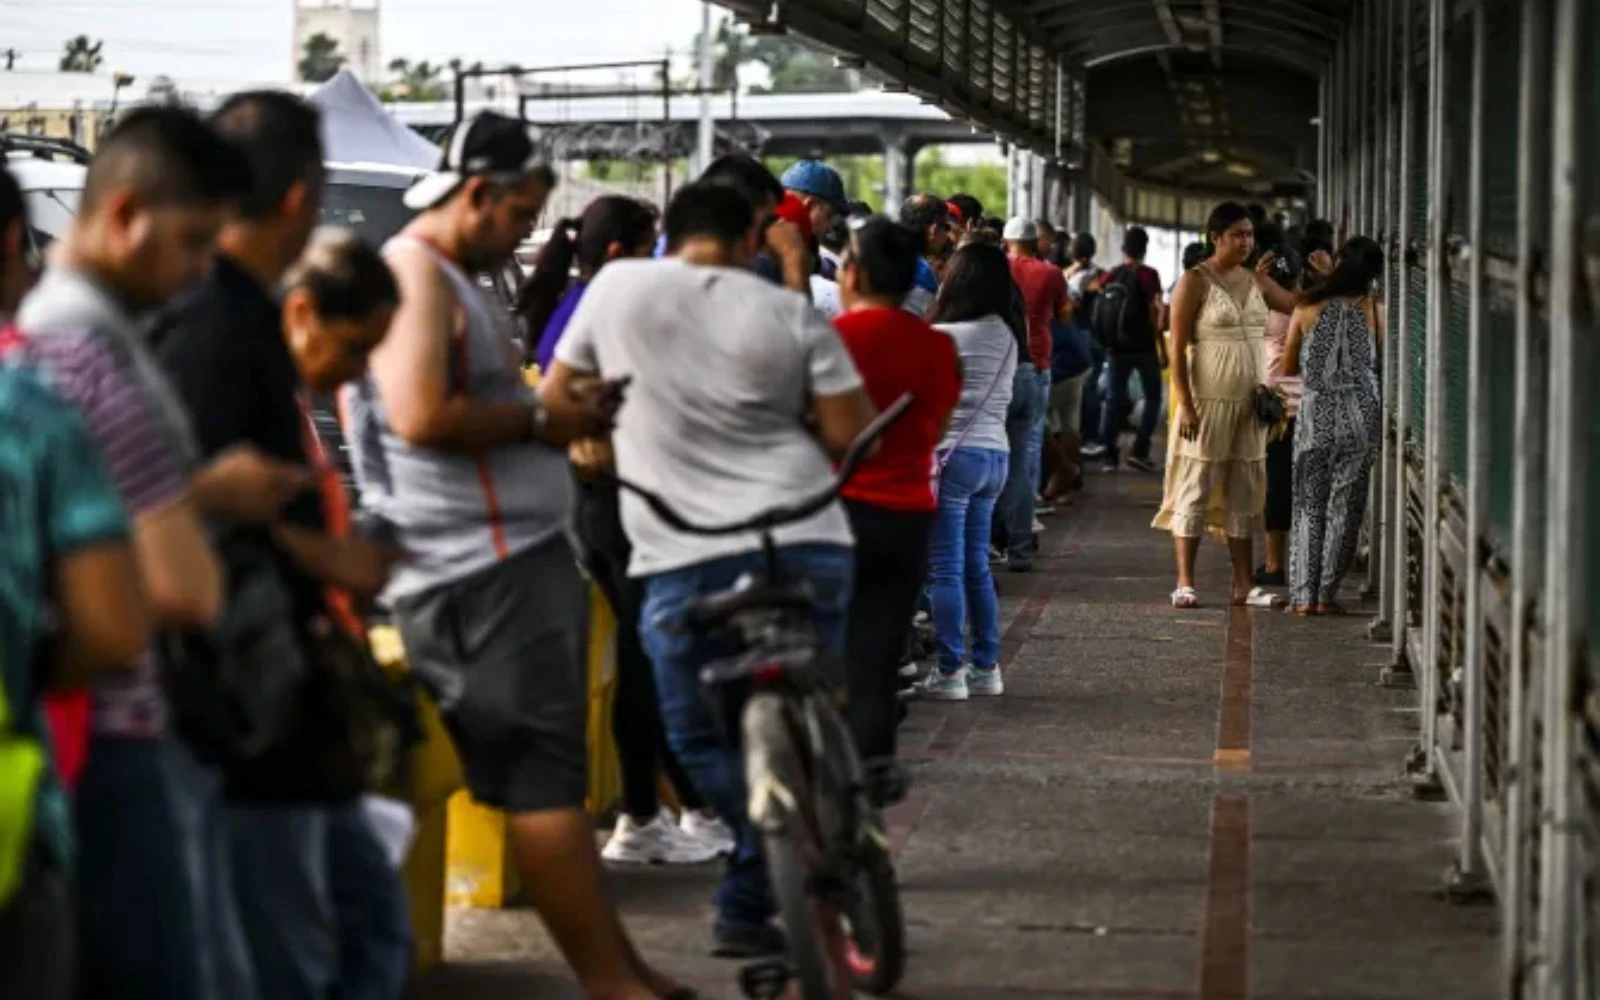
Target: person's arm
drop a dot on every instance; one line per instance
(788, 244)
(1063, 300)
(1301, 320)
(1279, 299)
(1377, 319)
(411, 370)
(358, 565)
(1187, 301)
(839, 399)
(104, 623)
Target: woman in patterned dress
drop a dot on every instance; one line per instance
(1216, 462)
(1334, 339)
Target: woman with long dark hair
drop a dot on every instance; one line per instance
(614, 227)
(1333, 343)
(977, 307)
(1216, 462)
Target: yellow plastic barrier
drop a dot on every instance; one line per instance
(462, 854)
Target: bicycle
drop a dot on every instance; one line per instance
(826, 846)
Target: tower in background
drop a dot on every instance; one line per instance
(351, 24)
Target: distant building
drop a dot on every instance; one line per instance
(353, 24)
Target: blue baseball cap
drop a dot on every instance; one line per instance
(817, 179)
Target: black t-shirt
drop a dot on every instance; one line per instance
(222, 346)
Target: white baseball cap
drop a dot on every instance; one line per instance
(1020, 230)
(488, 145)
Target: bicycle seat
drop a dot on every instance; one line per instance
(710, 611)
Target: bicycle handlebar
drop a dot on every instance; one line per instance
(780, 516)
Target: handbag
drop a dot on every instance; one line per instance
(1271, 408)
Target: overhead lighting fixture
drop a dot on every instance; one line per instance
(1241, 170)
(1211, 156)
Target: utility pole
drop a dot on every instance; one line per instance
(705, 148)
(11, 60)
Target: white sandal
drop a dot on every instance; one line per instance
(1261, 597)
(1185, 597)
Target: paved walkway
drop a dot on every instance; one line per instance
(1200, 804)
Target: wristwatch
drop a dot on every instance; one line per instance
(538, 419)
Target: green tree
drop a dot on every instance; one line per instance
(419, 81)
(79, 55)
(792, 67)
(984, 181)
(320, 59)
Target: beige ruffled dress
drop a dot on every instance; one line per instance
(1218, 481)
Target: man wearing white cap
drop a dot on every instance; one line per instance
(1044, 297)
(453, 450)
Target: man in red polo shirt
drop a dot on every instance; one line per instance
(1044, 297)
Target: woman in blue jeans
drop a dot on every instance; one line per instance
(975, 308)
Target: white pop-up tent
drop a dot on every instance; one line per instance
(357, 128)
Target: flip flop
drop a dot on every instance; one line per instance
(1260, 597)
(1185, 598)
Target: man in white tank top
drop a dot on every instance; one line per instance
(453, 450)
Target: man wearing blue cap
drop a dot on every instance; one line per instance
(821, 189)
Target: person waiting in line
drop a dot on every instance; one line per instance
(967, 214)
(452, 450)
(1278, 517)
(975, 308)
(1335, 338)
(1216, 462)
(1083, 275)
(785, 255)
(1070, 362)
(76, 612)
(1044, 300)
(612, 228)
(890, 500)
(1126, 321)
(821, 190)
(724, 370)
(929, 218)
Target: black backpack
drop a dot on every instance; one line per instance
(1121, 317)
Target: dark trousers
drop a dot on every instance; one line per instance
(891, 566)
(641, 736)
(1120, 403)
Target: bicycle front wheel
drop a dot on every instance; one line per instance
(780, 805)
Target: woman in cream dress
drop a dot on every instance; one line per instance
(1216, 460)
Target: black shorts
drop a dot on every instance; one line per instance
(1280, 481)
(504, 653)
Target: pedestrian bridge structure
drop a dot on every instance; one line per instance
(1240, 804)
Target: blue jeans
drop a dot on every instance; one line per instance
(1028, 408)
(323, 911)
(136, 921)
(704, 734)
(1036, 432)
(1120, 403)
(961, 583)
(220, 948)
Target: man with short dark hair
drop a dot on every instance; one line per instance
(723, 369)
(152, 205)
(821, 190)
(967, 212)
(929, 217)
(1127, 319)
(785, 255)
(222, 345)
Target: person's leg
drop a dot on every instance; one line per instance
(38, 943)
(982, 603)
(946, 560)
(370, 904)
(1089, 415)
(1347, 508)
(1186, 549)
(1036, 437)
(1280, 507)
(1017, 499)
(1312, 481)
(222, 953)
(1115, 411)
(136, 923)
(505, 651)
(1149, 368)
(280, 873)
(1241, 553)
(891, 559)
(707, 746)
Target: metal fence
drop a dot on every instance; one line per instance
(1465, 136)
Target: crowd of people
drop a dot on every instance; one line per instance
(195, 746)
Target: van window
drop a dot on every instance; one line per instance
(376, 213)
(50, 210)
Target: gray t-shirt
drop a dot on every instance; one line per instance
(988, 353)
(723, 366)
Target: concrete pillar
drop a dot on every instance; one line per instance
(896, 168)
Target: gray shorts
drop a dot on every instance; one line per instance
(1066, 404)
(503, 652)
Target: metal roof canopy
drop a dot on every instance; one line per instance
(1197, 98)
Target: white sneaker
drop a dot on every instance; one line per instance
(657, 842)
(909, 669)
(707, 831)
(1038, 526)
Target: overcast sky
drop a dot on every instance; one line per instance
(250, 39)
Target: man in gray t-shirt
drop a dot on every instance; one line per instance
(724, 368)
